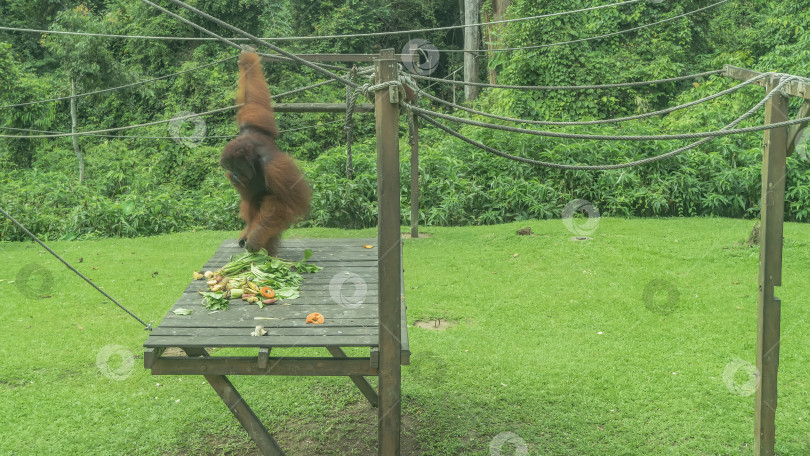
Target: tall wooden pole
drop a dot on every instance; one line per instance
(770, 271)
(390, 255)
(472, 37)
(414, 139)
(73, 123)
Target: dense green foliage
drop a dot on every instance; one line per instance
(141, 182)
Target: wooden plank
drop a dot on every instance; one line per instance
(387, 127)
(770, 273)
(242, 311)
(250, 323)
(264, 341)
(800, 88)
(320, 107)
(310, 330)
(796, 132)
(248, 365)
(338, 58)
(249, 421)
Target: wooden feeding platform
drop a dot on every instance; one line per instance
(345, 292)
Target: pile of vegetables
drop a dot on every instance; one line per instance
(255, 278)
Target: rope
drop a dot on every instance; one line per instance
(563, 43)
(574, 87)
(616, 166)
(321, 37)
(129, 127)
(602, 121)
(306, 127)
(351, 100)
(553, 134)
(119, 87)
(147, 326)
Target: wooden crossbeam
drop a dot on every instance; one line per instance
(340, 57)
(799, 88)
(249, 365)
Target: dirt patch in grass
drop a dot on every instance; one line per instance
(349, 431)
(438, 324)
(421, 235)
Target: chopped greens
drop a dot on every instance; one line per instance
(246, 274)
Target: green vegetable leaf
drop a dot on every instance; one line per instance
(182, 311)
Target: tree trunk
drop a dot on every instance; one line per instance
(73, 122)
(472, 36)
(493, 31)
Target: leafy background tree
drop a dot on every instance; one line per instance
(141, 182)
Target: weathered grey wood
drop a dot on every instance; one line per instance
(414, 140)
(254, 427)
(795, 130)
(387, 126)
(264, 353)
(150, 355)
(360, 381)
(337, 57)
(310, 330)
(249, 365)
(320, 107)
(770, 273)
(177, 322)
(264, 341)
(799, 88)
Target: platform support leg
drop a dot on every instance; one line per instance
(770, 272)
(233, 400)
(389, 259)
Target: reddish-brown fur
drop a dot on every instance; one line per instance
(274, 192)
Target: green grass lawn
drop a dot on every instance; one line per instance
(554, 341)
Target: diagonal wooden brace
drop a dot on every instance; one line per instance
(361, 382)
(233, 400)
(795, 130)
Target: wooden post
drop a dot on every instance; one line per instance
(387, 112)
(472, 36)
(770, 271)
(414, 139)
